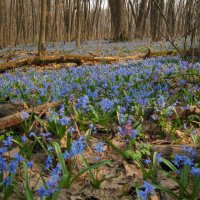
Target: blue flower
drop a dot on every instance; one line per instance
(23, 138)
(147, 189)
(49, 148)
(43, 192)
(161, 101)
(8, 141)
(29, 164)
(66, 155)
(147, 162)
(190, 151)
(18, 158)
(3, 150)
(71, 129)
(7, 181)
(32, 134)
(93, 128)
(106, 104)
(64, 121)
(194, 132)
(159, 158)
(179, 161)
(48, 162)
(24, 115)
(45, 135)
(142, 195)
(195, 171)
(99, 147)
(77, 147)
(83, 102)
(12, 167)
(121, 131)
(56, 172)
(2, 164)
(134, 133)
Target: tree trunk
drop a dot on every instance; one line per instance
(41, 43)
(78, 25)
(118, 18)
(1, 23)
(48, 20)
(141, 19)
(171, 19)
(156, 18)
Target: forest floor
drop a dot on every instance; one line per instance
(110, 127)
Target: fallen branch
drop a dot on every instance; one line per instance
(14, 119)
(168, 150)
(79, 60)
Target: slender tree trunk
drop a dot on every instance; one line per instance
(171, 19)
(141, 19)
(78, 24)
(1, 23)
(41, 43)
(48, 20)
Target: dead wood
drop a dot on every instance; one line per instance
(168, 150)
(68, 58)
(14, 119)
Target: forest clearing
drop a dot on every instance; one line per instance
(99, 99)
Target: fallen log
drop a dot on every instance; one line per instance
(67, 58)
(14, 119)
(169, 150)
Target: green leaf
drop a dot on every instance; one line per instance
(60, 158)
(87, 135)
(169, 164)
(185, 173)
(29, 195)
(41, 121)
(60, 186)
(94, 112)
(41, 144)
(97, 165)
(115, 148)
(166, 190)
(18, 143)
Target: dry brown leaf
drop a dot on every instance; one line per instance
(180, 134)
(154, 197)
(63, 141)
(130, 169)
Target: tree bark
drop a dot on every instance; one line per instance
(1, 23)
(48, 21)
(171, 19)
(14, 119)
(141, 19)
(41, 43)
(67, 58)
(118, 18)
(78, 24)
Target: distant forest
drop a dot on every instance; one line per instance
(25, 21)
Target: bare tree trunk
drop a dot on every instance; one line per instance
(171, 19)
(1, 23)
(78, 24)
(41, 43)
(141, 19)
(118, 17)
(48, 20)
(156, 18)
